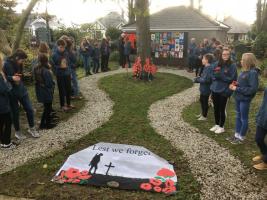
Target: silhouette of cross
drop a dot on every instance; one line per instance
(109, 166)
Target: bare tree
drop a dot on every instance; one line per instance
(143, 29)
(22, 23)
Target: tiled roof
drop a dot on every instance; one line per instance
(180, 18)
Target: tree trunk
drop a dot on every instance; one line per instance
(264, 17)
(131, 14)
(259, 16)
(4, 45)
(23, 20)
(143, 29)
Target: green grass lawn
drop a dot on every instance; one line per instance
(128, 125)
(245, 152)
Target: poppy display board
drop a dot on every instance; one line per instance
(119, 166)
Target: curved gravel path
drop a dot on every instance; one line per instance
(221, 175)
(97, 111)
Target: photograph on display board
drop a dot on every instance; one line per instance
(167, 44)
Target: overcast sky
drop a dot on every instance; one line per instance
(77, 12)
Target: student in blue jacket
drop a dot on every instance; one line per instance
(261, 134)
(5, 114)
(192, 54)
(13, 66)
(205, 81)
(96, 57)
(44, 89)
(245, 90)
(61, 62)
(127, 52)
(224, 73)
(73, 65)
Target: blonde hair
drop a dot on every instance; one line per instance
(249, 61)
(1, 62)
(1, 66)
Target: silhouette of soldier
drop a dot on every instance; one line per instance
(94, 162)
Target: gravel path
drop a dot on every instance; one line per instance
(221, 175)
(97, 111)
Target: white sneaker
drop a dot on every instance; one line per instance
(198, 116)
(237, 135)
(8, 146)
(33, 132)
(214, 128)
(201, 118)
(220, 130)
(19, 135)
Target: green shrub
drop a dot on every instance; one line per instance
(114, 56)
(260, 45)
(261, 84)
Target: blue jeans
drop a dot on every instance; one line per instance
(27, 106)
(75, 84)
(260, 136)
(242, 111)
(86, 64)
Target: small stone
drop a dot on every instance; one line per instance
(113, 184)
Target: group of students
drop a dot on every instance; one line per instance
(60, 62)
(219, 80)
(91, 52)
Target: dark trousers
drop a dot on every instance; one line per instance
(126, 60)
(64, 89)
(46, 116)
(204, 101)
(261, 133)
(27, 106)
(96, 65)
(121, 61)
(5, 128)
(104, 63)
(219, 103)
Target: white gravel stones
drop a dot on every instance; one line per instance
(221, 175)
(97, 111)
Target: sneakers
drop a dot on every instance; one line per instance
(19, 135)
(201, 118)
(65, 108)
(257, 159)
(33, 132)
(231, 138)
(219, 130)
(236, 141)
(214, 128)
(261, 166)
(198, 116)
(8, 146)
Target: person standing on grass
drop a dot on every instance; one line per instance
(96, 57)
(121, 49)
(104, 50)
(108, 41)
(244, 91)
(63, 74)
(205, 81)
(5, 114)
(85, 53)
(13, 66)
(261, 133)
(73, 65)
(224, 73)
(44, 89)
(192, 54)
(127, 52)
